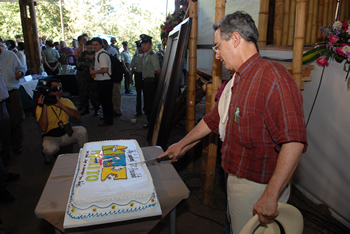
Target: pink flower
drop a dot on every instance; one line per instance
(344, 25)
(333, 39)
(340, 51)
(322, 62)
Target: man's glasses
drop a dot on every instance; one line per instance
(215, 48)
(56, 88)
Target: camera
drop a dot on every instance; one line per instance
(44, 90)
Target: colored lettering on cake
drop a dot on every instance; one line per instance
(113, 207)
(119, 173)
(131, 204)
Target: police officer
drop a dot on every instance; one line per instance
(126, 59)
(136, 71)
(150, 74)
(160, 55)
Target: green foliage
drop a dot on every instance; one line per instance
(119, 18)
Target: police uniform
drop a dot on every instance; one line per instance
(149, 67)
(115, 45)
(136, 66)
(160, 55)
(126, 58)
(88, 89)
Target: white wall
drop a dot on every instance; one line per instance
(323, 173)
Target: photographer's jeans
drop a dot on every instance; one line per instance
(51, 145)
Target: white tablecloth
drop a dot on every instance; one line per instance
(29, 86)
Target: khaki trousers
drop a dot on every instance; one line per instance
(242, 194)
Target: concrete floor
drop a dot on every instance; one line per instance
(192, 215)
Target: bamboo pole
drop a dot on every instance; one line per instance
(319, 20)
(342, 10)
(191, 92)
(278, 23)
(331, 13)
(314, 22)
(291, 23)
(208, 196)
(310, 17)
(347, 10)
(299, 41)
(263, 21)
(205, 146)
(285, 23)
(325, 16)
(30, 34)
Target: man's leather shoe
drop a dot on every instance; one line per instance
(116, 114)
(6, 196)
(12, 177)
(104, 124)
(128, 92)
(97, 112)
(145, 126)
(85, 112)
(138, 114)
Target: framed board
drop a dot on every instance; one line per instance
(168, 85)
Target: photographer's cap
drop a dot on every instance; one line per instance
(145, 38)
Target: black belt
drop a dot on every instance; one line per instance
(149, 79)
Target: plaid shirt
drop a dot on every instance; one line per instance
(270, 114)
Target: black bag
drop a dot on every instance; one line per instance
(117, 68)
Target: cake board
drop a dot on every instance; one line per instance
(74, 223)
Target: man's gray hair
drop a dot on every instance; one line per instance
(240, 22)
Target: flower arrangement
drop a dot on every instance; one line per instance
(172, 20)
(337, 46)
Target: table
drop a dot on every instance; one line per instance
(26, 91)
(169, 186)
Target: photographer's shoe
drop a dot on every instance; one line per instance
(86, 111)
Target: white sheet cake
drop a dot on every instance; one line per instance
(106, 184)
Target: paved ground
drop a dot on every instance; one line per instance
(192, 215)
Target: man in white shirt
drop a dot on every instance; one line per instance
(13, 70)
(101, 75)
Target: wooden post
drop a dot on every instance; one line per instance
(278, 23)
(331, 13)
(347, 10)
(342, 11)
(285, 23)
(291, 23)
(205, 144)
(310, 17)
(263, 21)
(319, 20)
(208, 195)
(191, 91)
(62, 23)
(30, 34)
(299, 41)
(314, 22)
(325, 16)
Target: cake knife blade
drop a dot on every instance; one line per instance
(166, 158)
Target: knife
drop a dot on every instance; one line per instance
(166, 158)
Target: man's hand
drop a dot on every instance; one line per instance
(175, 151)
(41, 100)
(266, 209)
(18, 75)
(59, 103)
(92, 72)
(131, 81)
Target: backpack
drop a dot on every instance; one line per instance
(117, 67)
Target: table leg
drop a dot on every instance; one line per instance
(173, 221)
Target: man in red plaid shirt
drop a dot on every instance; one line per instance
(260, 119)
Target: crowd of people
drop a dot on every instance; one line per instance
(94, 79)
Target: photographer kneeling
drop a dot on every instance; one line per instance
(52, 114)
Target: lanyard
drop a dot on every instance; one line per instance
(56, 114)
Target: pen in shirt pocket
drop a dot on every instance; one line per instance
(236, 114)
